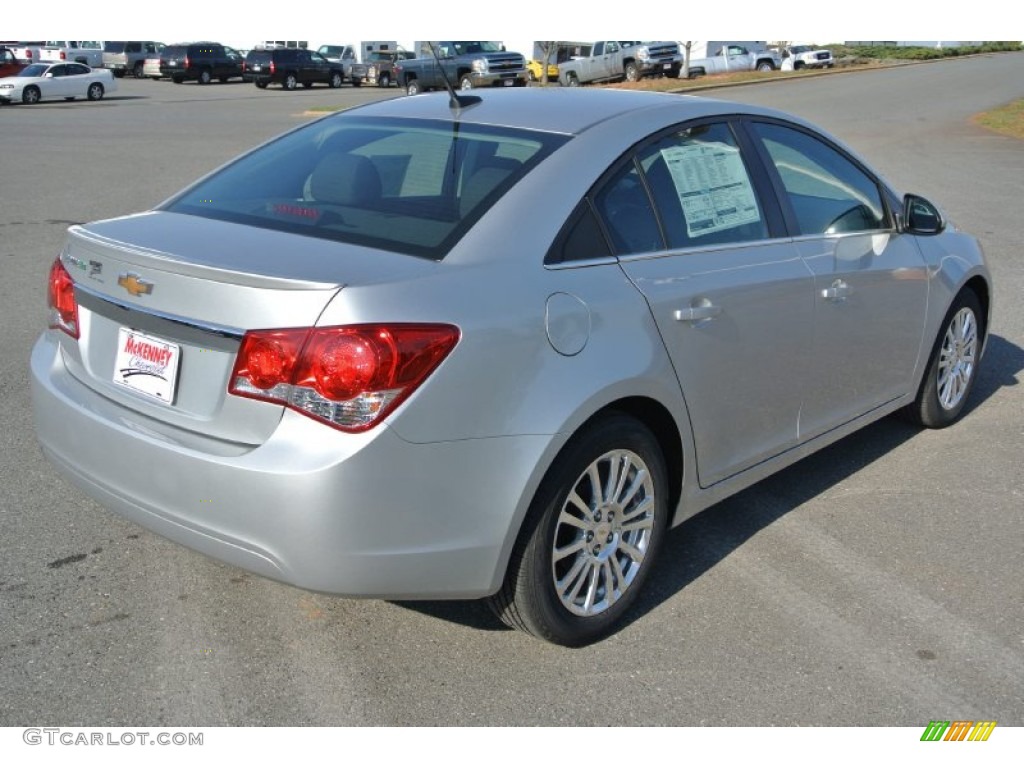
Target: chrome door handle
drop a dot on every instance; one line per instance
(838, 291)
(698, 313)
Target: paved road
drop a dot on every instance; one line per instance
(879, 582)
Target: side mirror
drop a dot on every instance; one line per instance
(48, 74)
(921, 217)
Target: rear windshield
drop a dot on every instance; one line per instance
(411, 186)
(175, 51)
(259, 57)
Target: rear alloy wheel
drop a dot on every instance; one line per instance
(953, 365)
(31, 95)
(95, 92)
(137, 71)
(205, 77)
(290, 81)
(590, 537)
(412, 87)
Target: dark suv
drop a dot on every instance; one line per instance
(201, 62)
(122, 57)
(289, 67)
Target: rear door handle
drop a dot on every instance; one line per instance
(695, 314)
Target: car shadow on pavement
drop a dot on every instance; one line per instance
(700, 543)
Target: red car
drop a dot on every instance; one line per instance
(9, 65)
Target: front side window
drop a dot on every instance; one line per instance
(403, 185)
(827, 192)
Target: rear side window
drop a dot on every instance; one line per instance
(409, 186)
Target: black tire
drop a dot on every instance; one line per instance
(155, 78)
(290, 81)
(632, 72)
(261, 84)
(798, 65)
(307, 84)
(533, 77)
(118, 73)
(69, 98)
(953, 365)
(384, 81)
(356, 82)
(179, 79)
(31, 95)
(541, 593)
(205, 77)
(465, 83)
(223, 79)
(765, 66)
(336, 80)
(572, 80)
(137, 70)
(412, 87)
(95, 92)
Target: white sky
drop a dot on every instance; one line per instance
(518, 24)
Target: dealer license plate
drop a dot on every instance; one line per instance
(147, 364)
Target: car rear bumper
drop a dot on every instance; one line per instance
(368, 515)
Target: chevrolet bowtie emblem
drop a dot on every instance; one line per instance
(134, 284)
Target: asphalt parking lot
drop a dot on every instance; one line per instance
(879, 582)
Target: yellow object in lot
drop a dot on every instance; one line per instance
(535, 69)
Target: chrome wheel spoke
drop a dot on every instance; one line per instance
(561, 553)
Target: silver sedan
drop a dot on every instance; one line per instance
(494, 346)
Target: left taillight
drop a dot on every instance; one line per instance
(60, 298)
(350, 377)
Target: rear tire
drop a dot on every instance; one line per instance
(384, 81)
(590, 537)
(289, 82)
(205, 77)
(953, 365)
(336, 80)
(137, 71)
(412, 87)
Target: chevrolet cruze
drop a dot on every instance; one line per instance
(494, 346)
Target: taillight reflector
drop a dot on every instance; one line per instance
(350, 377)
(60, 298)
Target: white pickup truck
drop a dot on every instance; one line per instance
(88, 52)
(715, 58)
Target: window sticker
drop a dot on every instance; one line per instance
(713, 187)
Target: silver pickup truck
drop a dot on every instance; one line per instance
(628, 60)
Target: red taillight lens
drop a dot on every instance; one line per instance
(60, 298)
(63, 55)
(350, 377)
(273, 67)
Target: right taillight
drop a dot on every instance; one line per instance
(350, 377)
(60, 298)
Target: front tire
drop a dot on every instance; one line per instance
(632, 72)
(31, 95)
(95, 92)
(591, 534)
(765, 66)
(953, 365)
(384, 81)
(466, 83)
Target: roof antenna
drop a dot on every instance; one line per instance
(456, 101)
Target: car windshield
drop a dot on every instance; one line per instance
(411, 186)
(34, 70)
(800, 48)
(477, 46)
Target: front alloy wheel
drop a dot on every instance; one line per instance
(953, 365)
(590, 537)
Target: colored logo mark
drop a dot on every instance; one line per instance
(958, 730)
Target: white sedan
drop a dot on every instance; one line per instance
(68, 80)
